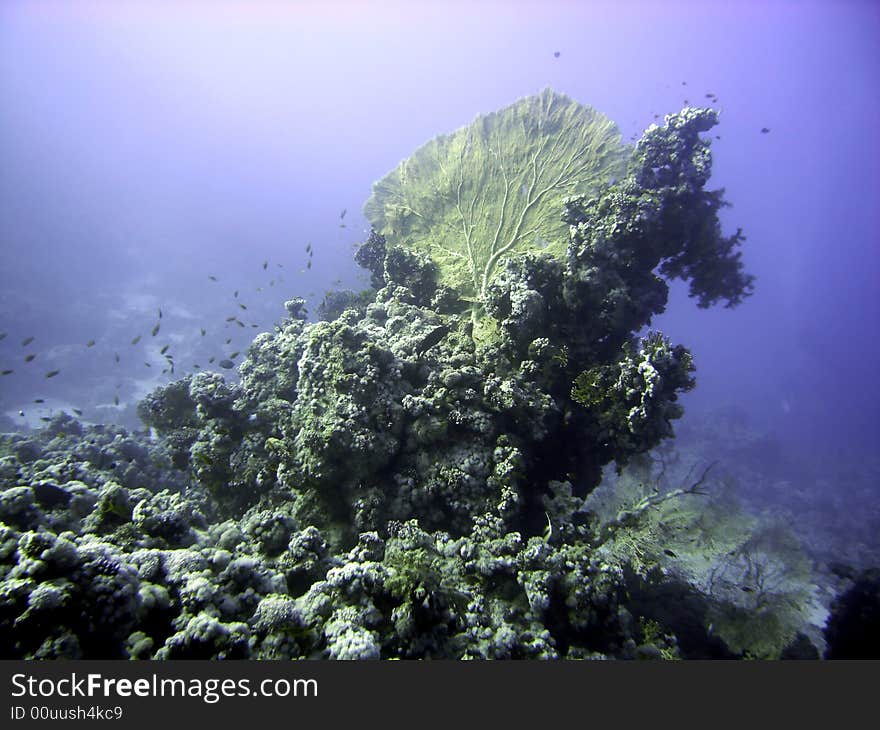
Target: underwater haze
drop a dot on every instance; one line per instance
(234, 343)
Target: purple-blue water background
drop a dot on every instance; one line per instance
(146, 147)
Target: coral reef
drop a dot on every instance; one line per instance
(401, 478)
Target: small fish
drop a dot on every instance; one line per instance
(2, 336)
(164, 349)
(234, 355)
(259, 288)
(115, 400)
(239, 323)
(242, 305)
(197, 366)
(164, 370)
(39, 400)
(229, 340)
(232, 318)
(226, 364)
(717, 136)
(684, 83)
(116, 356)
(211, 359)
(308, 248)
(342, 214)
(202, 330)
(77, 411)
(669, 552)
(90, 343)
(309, 264)
(155, 330)
(280, 266)
(710, 96)
(21, 413)
(272, 283)
(431, 339)
(265, 264)
(212, 278)
(236, 294)
(556, 54)
(764, 130)
(254, 326)
(160, 312)
(342, 225)
(52, 373)
(686, 102)
(136, 340)
(28, 358)
(45, 419)
(148, 365)
(26, 341)
(746, 589)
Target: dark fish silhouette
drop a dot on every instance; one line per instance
(232, 318)
(52, 373)
(90, 343)
(116, 356)
(234, 355)
(556, 54)
(308, 248)
(342, 214)
(155, 330)
(115, 400)
(164, 349)
(764, 130)
(28, 358)
(239, 323)
(236, 294)
(7, 372)
(431, 339)
(46, 419)
(2, 336)
(229, 340)
(242, 305)
(309, 264)
(669, 552)
(212, 278)
(202, 330)
(226, 364)
(136, 340)
(211, 359)
(265, 264)
(148, 365)
(160, 312)
(39, 400)
(26, 341)
(77, 411)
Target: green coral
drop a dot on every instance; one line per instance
(495, 189)
(755, 579)
(633, 401)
